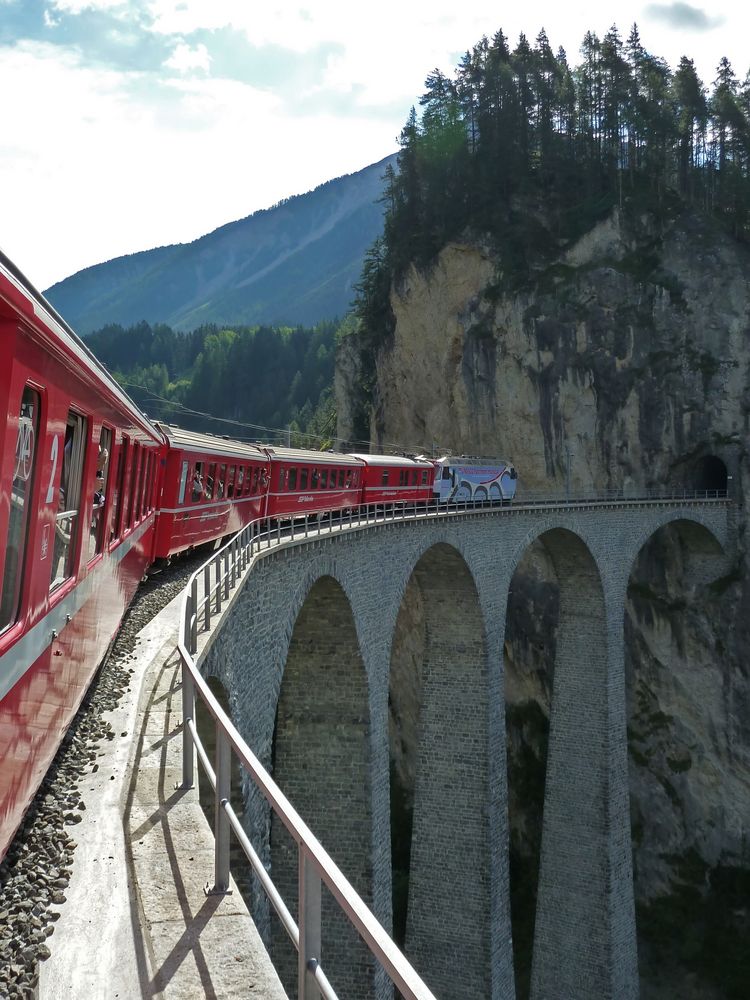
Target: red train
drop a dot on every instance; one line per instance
(92, 493)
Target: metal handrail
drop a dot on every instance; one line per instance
(316, 867)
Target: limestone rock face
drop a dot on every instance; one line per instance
(631, 351)
(623, 363)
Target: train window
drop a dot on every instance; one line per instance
(210, 481)
(303, 479)
(446, 472)
(323, 479)
(230, 480)
(101, 485)
(118, 490)
(424, 477)
(240, 481)
(403, 477)
(384, 481)
(18, 516)
(292, 479)
(281, 479)
(67, 517)
(183, 482)
(142, 485)
(342, 476)
(220, 486)
(131, 475)
(149, 482)
(348, 479)
(197, 487)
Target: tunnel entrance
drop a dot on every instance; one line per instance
(711, 474)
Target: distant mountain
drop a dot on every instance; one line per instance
(295, 263)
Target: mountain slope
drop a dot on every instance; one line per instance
(294, 263)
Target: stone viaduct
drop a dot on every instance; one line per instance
(304, 655)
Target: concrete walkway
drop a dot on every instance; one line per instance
(137, 922)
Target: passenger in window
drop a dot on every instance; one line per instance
(101, 475)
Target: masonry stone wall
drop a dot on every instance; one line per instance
(459, 899)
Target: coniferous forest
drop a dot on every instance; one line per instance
(243, 381)
(525, 150)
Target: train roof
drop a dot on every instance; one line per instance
(318, 457)
(397, 461)
(194, 441)
(59, 332)
(472, 460)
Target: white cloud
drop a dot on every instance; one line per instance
(184, 58)
(102, 162)
(79, 6)
(110, 173)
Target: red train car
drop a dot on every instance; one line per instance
(389, 479)
(212, 487)
(311, 482)
(78, 485)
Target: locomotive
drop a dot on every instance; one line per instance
(92, 493)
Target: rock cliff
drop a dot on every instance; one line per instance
(623, 361)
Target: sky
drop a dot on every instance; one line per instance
(130, 124)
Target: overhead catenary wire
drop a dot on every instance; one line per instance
(280, 432)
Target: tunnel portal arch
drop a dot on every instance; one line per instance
(710, 474)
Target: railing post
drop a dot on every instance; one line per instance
(221, 820)
(233, 560)
(226, 574)
(309, 927)
(307, 526)
(217, 564)
(207, 594)
(193, 615)
(188, 712)
(268, 532)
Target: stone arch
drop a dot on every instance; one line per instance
(682, 739)
(321, 760)
(448, 915)
(583, 884)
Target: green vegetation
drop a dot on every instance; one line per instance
(237, 381)
(524, 152)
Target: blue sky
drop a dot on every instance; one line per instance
(128, 124)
